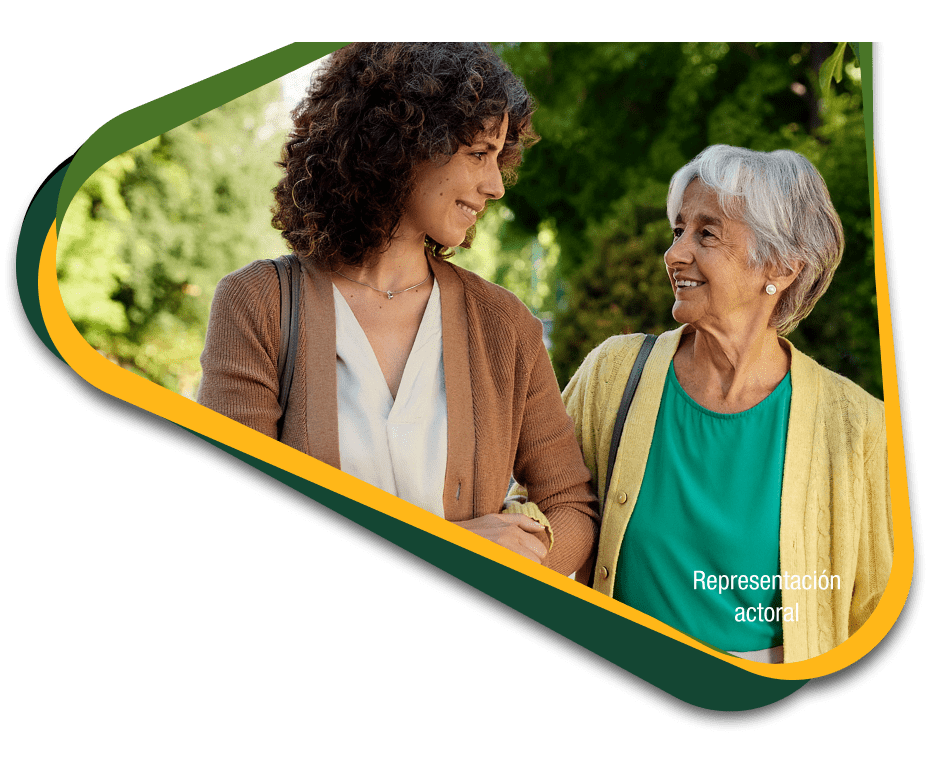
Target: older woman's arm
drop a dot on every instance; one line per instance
(875, 551)
(582, 404)
(592, 396)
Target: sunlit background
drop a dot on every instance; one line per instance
(579, 239)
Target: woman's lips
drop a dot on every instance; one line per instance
(468, 210)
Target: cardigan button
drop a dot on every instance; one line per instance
(603, 573)
(623, 498)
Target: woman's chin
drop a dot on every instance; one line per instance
(450, 240)
(682, 313)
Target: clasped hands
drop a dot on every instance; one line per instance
(514, 531)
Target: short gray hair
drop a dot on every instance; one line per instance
(783, 199)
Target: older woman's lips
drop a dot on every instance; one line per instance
(688, 284)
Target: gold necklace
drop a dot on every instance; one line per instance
(390, 294)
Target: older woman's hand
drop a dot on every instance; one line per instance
(514, 531)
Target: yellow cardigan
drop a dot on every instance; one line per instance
(834, 508)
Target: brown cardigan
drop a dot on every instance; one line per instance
(505, 414)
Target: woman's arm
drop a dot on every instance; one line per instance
(551, 468)
(875, 551)
(239, 358)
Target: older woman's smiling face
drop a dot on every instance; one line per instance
(715, 285)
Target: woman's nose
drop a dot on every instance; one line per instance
(679, 252)
(492, 183)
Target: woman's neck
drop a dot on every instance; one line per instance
(730, 372)
(400, 265)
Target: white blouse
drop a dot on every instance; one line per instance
(398, 446)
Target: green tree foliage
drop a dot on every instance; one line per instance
(617, 120)
(581, 236)
(525, 263)
(148, 236)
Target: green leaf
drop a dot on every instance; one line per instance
(832, 68)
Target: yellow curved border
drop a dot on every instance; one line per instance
(118, 382)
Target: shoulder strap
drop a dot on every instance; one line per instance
(630, 387)
(289, 275)
(624, 405)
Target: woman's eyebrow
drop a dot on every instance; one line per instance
(485, 143)
(704, 219)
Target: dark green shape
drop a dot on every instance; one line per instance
(864, 53)
(32, 236)
(682, 671)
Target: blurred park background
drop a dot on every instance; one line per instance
(580, 238)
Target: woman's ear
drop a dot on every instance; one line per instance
(783, 280)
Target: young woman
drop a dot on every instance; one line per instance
(412, 374)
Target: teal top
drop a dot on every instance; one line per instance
(709, 506)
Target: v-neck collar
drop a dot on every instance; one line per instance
(428, 324)
(322, 381)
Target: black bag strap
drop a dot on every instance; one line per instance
(627, 397)
(624, 405)
(289, 275)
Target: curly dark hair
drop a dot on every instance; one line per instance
(371, 115)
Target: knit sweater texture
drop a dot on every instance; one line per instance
(835, 516)
(505, 414)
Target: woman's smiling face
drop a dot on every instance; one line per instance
(448, 196)
(709, 265)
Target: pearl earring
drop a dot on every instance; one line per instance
(771, 289)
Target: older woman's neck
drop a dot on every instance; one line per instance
(729, 372)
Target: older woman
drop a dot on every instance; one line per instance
(410, 373)
(749, 500)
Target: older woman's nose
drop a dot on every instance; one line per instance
(679, 253)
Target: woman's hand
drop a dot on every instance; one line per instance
(514, 531)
